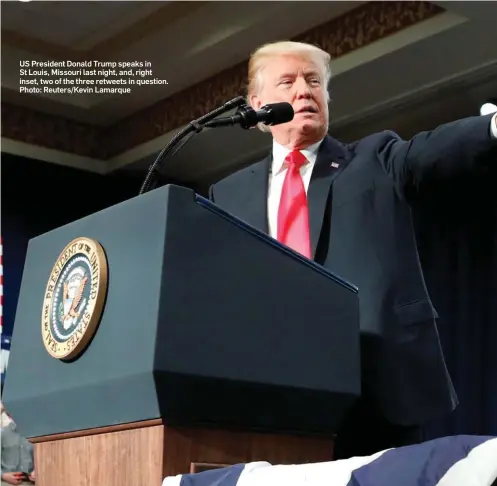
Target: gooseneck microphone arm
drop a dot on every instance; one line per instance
(244, 116)
(194, 126)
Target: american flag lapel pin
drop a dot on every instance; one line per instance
(335, 165)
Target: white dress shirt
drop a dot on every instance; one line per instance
(277, 176)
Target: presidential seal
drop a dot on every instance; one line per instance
(74, 298)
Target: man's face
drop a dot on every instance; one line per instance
(299, 82)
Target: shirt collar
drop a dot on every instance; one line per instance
(280, 153)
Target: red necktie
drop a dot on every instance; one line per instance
(293, 212)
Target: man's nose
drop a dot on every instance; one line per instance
(302, 88)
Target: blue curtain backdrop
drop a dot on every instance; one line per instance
(457, 237)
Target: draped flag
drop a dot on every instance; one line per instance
(450, 461)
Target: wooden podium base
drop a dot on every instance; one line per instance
(143, 453)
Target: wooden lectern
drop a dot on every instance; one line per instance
(144, 453)
(164, 336)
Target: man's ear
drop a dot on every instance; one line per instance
(255, 102)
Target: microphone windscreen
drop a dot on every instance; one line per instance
(281, 113)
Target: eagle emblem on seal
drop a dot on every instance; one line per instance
(73, 304)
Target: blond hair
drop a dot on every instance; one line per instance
(262, 56)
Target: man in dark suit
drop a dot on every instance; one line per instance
(348, 208)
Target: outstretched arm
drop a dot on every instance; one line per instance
(439, 154)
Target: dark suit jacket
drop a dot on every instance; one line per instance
(362, 230)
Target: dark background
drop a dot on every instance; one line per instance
(456, 226)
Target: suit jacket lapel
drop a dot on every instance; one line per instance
(331, 160)
(255, 211)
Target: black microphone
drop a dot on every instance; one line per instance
(247, 117)
(193, 127)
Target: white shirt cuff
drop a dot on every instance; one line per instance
(493, 126)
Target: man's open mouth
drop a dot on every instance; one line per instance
(308, 109)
